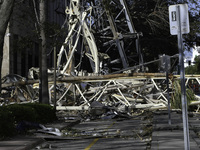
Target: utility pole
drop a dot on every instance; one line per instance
(183, 89)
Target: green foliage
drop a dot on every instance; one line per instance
(11, 115)
(106, 4)
(194, 69)
(22, 113)
(152, 19)
(45, 113)
(191, 70)
(176, 97)
(7, 123)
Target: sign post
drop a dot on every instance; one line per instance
(179, 24)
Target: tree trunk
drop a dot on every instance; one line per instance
(44, 75)
(6, 8)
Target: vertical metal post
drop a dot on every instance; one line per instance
(40, 70)
(116, 39)
(169, 103)
(182, 78)
(132, 30)
(128, 17)
(54, 77)
(167, 67)
(168, 98)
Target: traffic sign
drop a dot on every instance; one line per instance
(179, 24)
(184, 19)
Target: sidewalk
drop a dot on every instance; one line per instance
(167, 136)
(28, 142)
(20, 143)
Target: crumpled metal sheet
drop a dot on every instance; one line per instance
(16, 93)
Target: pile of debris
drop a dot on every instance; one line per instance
(120, 91)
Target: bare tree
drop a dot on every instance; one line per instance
(41, 20)
(6, 8)
(44, 75)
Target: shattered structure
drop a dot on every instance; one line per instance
(94, 65)
(99, 42)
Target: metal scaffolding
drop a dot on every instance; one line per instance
(99, 37)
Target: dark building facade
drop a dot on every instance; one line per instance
(21, 46)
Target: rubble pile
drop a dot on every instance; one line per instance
(84, 93)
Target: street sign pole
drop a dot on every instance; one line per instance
(179, 24)
(182, 78)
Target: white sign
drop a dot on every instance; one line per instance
(184, 19)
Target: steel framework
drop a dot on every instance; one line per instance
(102, 36)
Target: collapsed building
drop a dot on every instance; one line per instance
(100, 65)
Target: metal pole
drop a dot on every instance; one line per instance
(40, 70)
(182, 78)
(167, 67)
(54, 77)
(116, 39)
(168, 98)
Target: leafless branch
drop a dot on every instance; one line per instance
(36, 13)
(37, 24)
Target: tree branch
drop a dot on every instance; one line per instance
(36, 16)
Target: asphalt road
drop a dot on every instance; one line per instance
(119, 133)
(149, 131)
